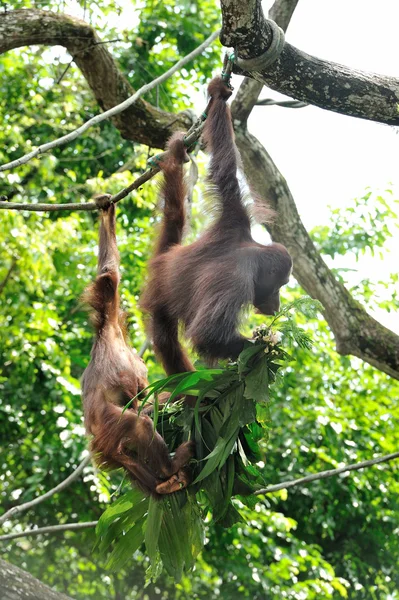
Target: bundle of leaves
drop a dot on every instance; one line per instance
(229, 419)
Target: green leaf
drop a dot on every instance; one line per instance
(229, 447)
(125, 503)
(152, 529)
(171, 540)
(126, 546)
(228, 486)
(112, 533)
(257, 382)
(216, 418)
(247, 412)
(246, 356)
(192, 379)
(213, 459)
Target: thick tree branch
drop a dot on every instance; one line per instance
(286, 485)
(16, 584)
(141, 122)
(272, 488)
(111, 112)
(355, 331)
(281, 12)
(58, 488)
(297, 74)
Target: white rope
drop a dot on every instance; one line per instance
(261, 62)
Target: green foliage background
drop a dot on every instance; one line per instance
(335, 538)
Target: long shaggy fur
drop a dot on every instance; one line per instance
(206, 284)
(113, 377)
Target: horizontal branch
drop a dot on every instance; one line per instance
(49, 529)
(69, 137)
(58, 488)
(312, 80)
(268, 490)
(85, 206)
(286, 485)
(41, 207)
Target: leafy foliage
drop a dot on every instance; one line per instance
(362, 227)
(225, 429)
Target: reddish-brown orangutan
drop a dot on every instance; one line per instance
(113, 377)
(206, 284)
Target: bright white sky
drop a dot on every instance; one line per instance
(326, 158)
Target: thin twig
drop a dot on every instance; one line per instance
(81, 205)
(324, 474)
(112, 111)
(192, 136)
(86, 49)
(50, 529)
(48, 207)
(58, 488)
(268, 490)
(8, 274)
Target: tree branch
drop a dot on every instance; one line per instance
(85, 206)
(355, 331)
(58, 488)
(16, 584)
(141, 122)
(190, 138)
(281, 12)
(108, 114)
(268, 490)
(297, 74)
(286, 485)
(283, 103)
(49, 529)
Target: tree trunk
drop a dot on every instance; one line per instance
(16, 584)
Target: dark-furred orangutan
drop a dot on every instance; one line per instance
(206, 284)
(113, 377)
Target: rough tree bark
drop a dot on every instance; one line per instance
(304, 77)
(141, 122)
(16, 584)
(355, 331)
